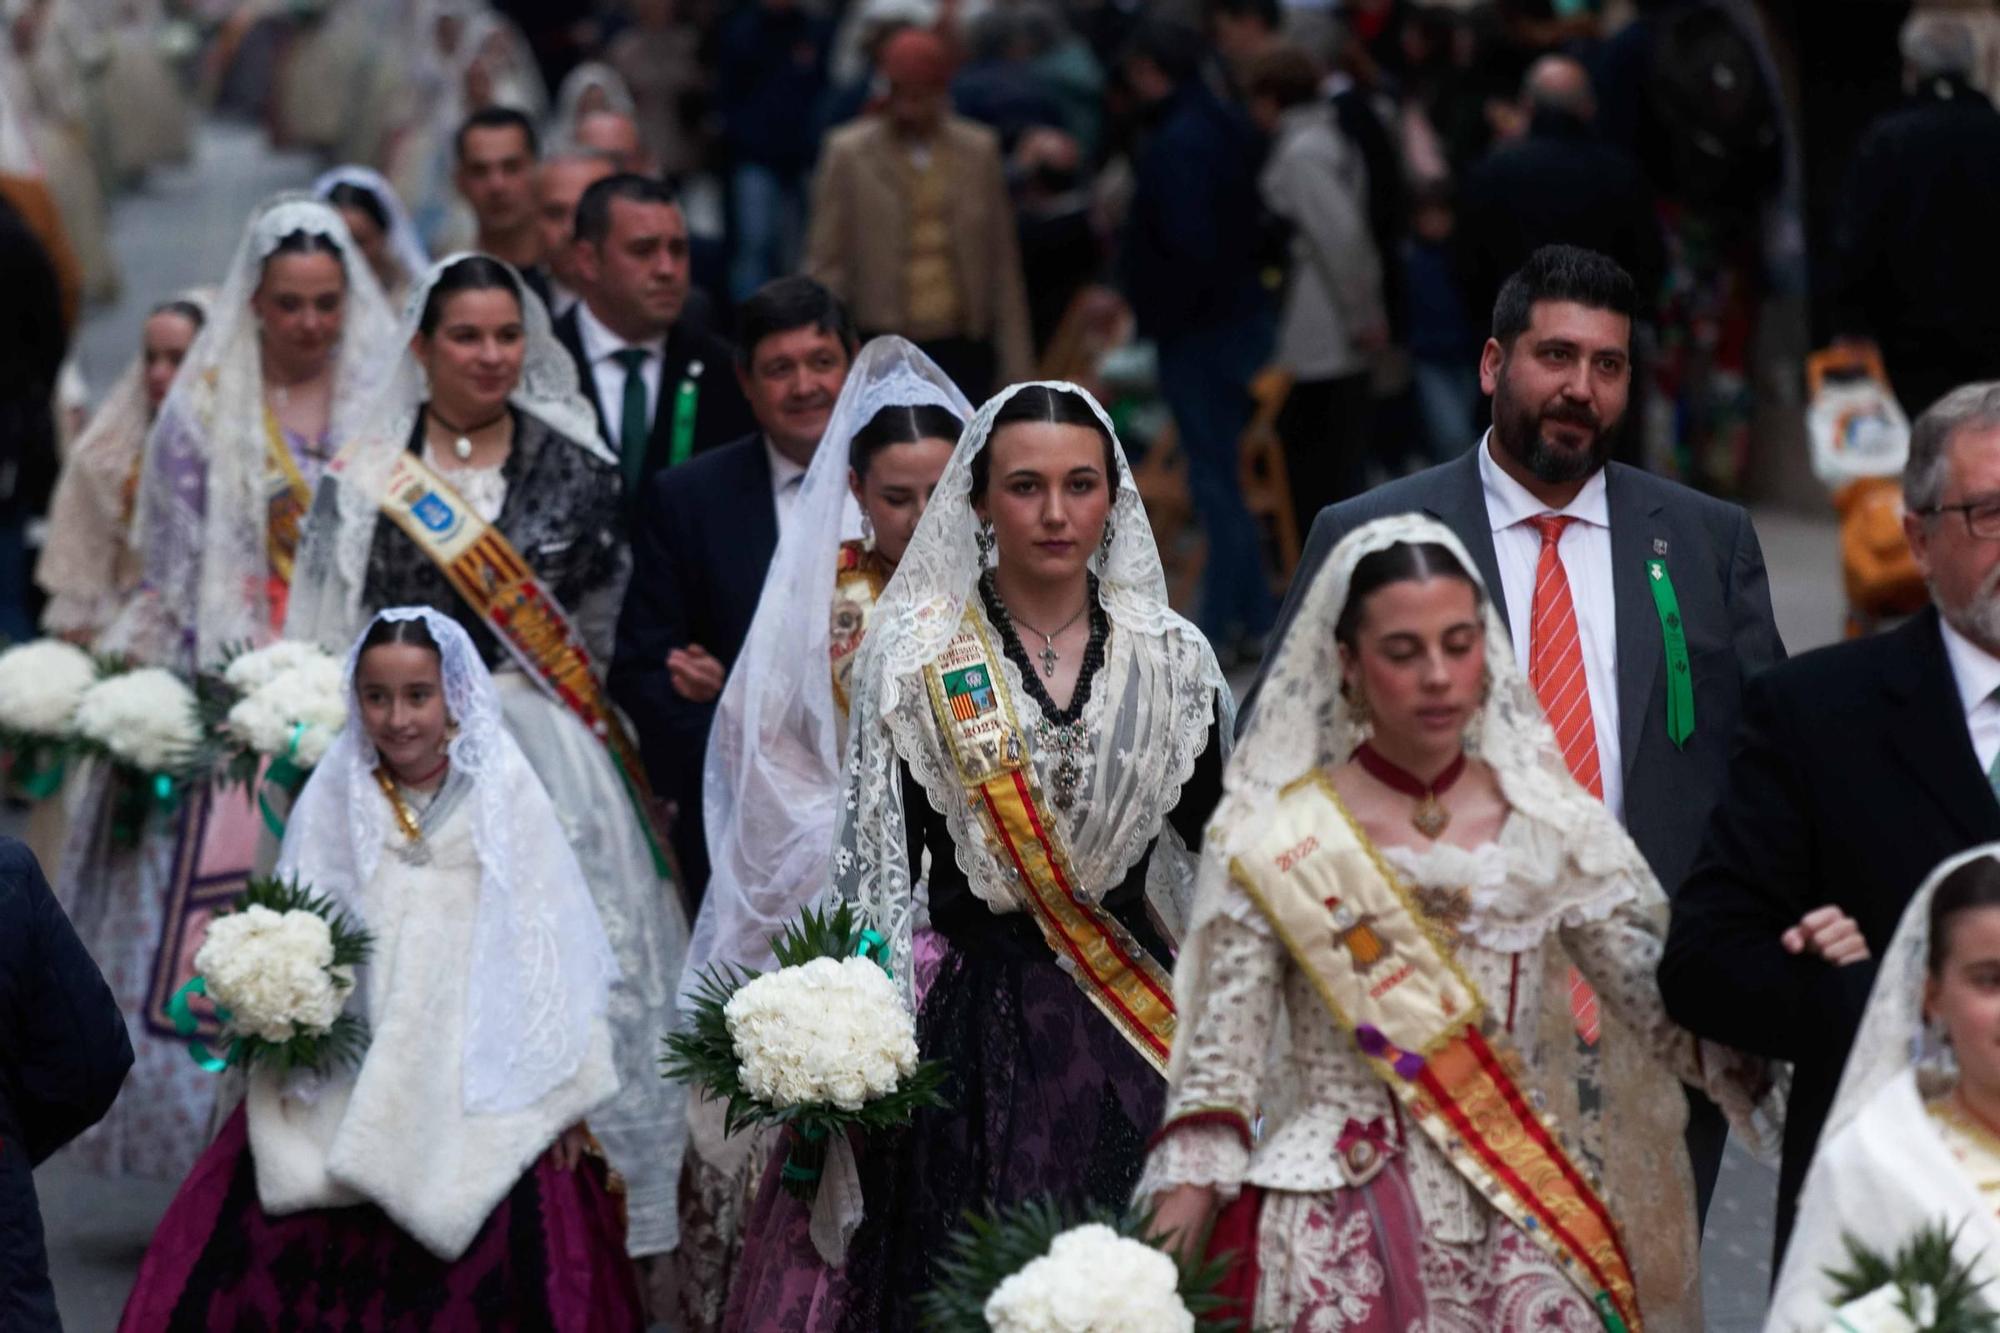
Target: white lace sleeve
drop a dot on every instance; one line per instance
(1228, 1003)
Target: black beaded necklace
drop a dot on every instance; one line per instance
(1061, 734)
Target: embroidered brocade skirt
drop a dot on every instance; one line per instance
(1045, 1098)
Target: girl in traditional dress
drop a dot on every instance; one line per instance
(1913, 1139)
(380, 227)
(271, 383)
(89, 565)
(480, 487)
(447, 1181)
(1399, 878)
(772, 780)
(1031, 716)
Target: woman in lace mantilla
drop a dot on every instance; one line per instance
(486, 400)
(1396, 685)
(89, 564)
(1117, 719)
(446, 1180)
(1913, 1139)
(772, 780)
(273, 378)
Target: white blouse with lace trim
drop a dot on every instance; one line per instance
(1501, 902)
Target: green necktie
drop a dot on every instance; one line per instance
(632, 425)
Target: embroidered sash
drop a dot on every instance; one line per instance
(288, 500)
(484, 568)
(976, 716)
(1388, 976)
(857, 585)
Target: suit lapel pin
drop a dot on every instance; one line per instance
(1659, 546)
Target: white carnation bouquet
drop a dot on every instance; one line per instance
(823, 1046)
(1037, 1268)
(279, 967)
(1922, 1288)
(41, 684)
(146, 723)
(290, 703)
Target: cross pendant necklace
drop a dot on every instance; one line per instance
(1048, 654)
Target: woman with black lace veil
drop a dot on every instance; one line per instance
(1031, 718)
(479, 486)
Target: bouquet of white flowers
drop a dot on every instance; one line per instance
(290, 714)
(279, 967)
(1922, 1288)
(41, 684)
(822, 1046)
(1036, 1269)
(144, 720)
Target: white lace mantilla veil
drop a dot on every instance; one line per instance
(1885, 1053)
(332, 570)
(771, 779)
(200, 515)
(90, 498)
(541, 967)
(1151, 710)
(592, 74)
(404, 242)
(1303, 722)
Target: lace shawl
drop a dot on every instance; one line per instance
(542, 968)
(1147, 719)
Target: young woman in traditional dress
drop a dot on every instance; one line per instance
(89, 565)
(772, 780)
(1393, 893)
(1031, 716)
(273, 380)
(479, 486)
(1913, 1139)
(380, 225)
(447, 1181)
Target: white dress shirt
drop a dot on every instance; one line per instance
(600, 348)
(561, 299)
(786, 478)
(1977, 673)
(1585, 553)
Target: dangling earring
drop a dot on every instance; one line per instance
(1937, 1062)
(1357, 705)
(1110, 531)
(987, 542)
(867, 530)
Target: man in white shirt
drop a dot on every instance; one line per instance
(1639, 607)
(1858, 768)
(661, 384)
(704, 535)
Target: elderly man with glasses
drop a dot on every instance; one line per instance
(1857, 769)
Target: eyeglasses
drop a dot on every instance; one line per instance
(1982, 517)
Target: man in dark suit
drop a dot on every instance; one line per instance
(1858, 768)
(661, 383)
(1537, 503)
(703, 541)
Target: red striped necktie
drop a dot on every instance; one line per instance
(1555, 669)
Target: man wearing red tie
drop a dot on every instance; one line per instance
(1640, 607)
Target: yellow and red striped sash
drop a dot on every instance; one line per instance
(975, 713)
(857, 585)
(285, 508)
(1388, 976)
(484, 568)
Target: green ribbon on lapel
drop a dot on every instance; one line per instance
(1605, 1309)
(686, 399)
(1680, 676)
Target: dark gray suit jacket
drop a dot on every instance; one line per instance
(1718, 572)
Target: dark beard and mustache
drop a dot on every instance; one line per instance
(1519, 431)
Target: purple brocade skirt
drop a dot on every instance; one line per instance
(550, 1257)
(1046, 1098)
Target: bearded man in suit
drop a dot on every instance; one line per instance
(1640, 607)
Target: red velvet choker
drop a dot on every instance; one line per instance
(1430, 818)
